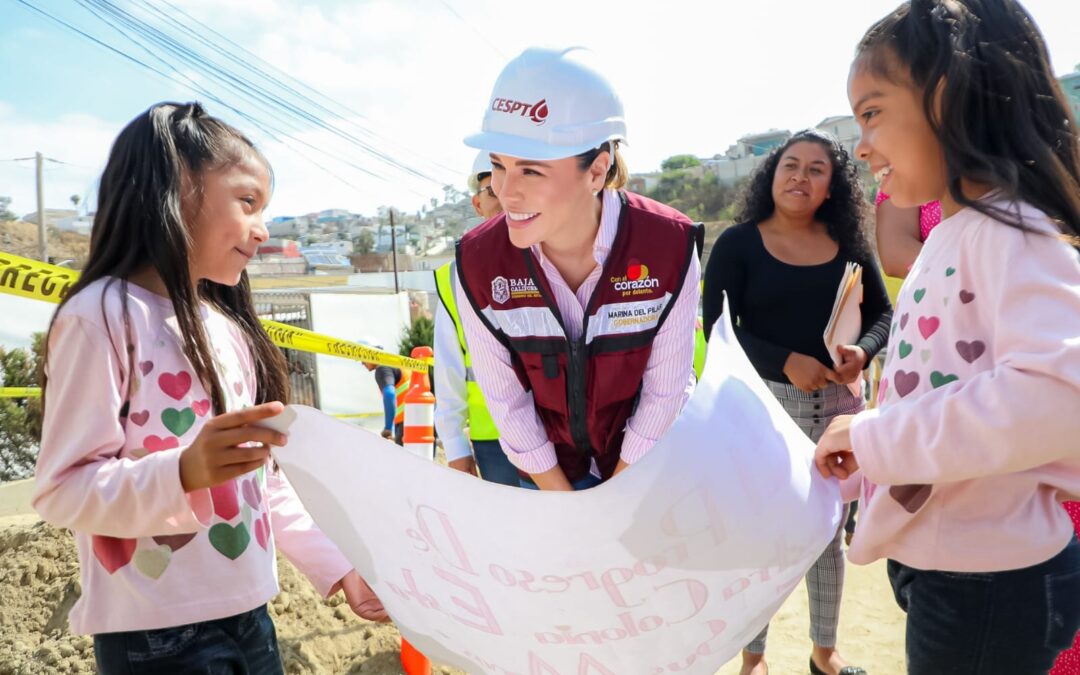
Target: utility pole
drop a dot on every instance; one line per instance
(43, 241)
(393, 249)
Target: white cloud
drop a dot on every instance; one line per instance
(79, 140)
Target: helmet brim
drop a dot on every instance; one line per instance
(525, 148)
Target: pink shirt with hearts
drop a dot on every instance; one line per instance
(973, 447)
(151, 556)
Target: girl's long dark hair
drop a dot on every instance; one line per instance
(844, 212)
(1001, 117)
(140, 222)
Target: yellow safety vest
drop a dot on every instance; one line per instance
(700, 348)
(481, 426)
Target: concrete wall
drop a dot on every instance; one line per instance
(346, 386)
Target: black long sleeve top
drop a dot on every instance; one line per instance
(778, 308)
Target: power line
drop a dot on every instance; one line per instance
(243, 86)
(118, 19)
(474, 29)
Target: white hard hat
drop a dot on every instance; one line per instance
(550, 104)
(370, 342)
(480, 165)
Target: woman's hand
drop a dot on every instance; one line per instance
(833, 455)
(807, 373)
(852, 361)
(228, 446)
(553, 479)
(464, 465)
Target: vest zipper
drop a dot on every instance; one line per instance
(575, 389)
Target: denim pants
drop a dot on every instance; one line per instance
(996, 623)
(493, 463)
(236, 645)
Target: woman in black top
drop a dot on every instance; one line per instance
(801, 222)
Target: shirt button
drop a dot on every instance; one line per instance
(817, 406)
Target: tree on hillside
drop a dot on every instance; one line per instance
(364, 242)
(20, 419)
(677, 162)
(5, 209)
(701, 198)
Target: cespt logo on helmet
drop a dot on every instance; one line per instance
(537, 112)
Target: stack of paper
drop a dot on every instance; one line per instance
(845, 324)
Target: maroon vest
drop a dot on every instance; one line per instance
(584, 389)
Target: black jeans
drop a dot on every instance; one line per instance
(236, 645)
(998, 623)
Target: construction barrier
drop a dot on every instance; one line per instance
(419, 436)
(412, 661)
(49, 283)
(419, 439)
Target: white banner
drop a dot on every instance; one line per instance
(673, 566)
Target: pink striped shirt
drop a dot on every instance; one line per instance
(666, 386)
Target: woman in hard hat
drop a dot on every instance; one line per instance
(579, 302)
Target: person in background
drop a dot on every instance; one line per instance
(392, 384)
(801, 223)
(459, 403)
(901, 232)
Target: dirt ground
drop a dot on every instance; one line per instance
(21, 238)
(39, 584)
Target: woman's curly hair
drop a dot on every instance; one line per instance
(844, 212)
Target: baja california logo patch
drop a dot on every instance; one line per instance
(500, 290)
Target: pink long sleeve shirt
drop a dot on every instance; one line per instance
(151, 556)
(666, 386)
(975, 442)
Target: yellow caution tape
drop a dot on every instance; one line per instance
(353, 416)
(41, 281)
(292, 337)
(20, 392)
(35, 280)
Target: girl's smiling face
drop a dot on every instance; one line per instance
(228, 228)
(897, 140)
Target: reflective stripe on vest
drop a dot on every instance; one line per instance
(399, 392)
(700, 349)
(481, 426)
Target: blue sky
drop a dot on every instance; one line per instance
(694, 77)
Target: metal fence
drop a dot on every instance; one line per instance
(294, 309)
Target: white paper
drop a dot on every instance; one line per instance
(673, 566)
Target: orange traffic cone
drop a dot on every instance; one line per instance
(412, 661)
(419, 436)
(419, 439)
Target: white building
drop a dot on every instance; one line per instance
(845, 128)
